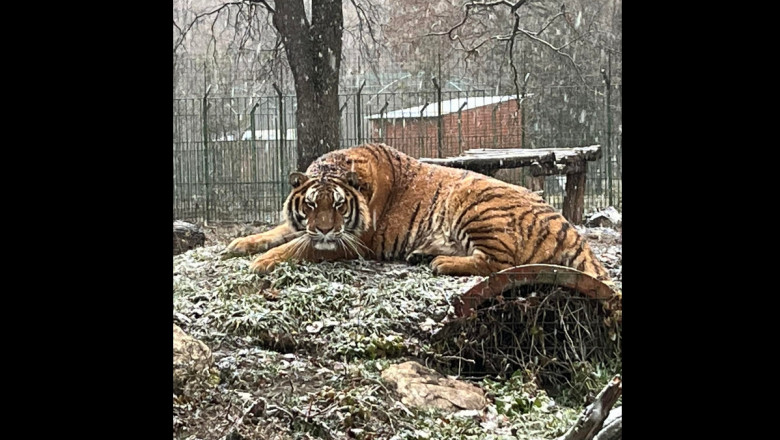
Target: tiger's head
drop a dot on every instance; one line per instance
(330, 210)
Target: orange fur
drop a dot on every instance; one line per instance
(395, 207)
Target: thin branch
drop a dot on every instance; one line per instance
(590, 31)
(516, 30)
(367, 16)
(514, 6)
(517, 5)
(213, 38)
(475, 49)
(555, 17)
(267, 6)
(236, 27)
(511, 57)
(557, 50)
(249, 19)
(535, 37)
(361, 13)
(467, 7)
(198, 18)
(454, 28)
(474, 4)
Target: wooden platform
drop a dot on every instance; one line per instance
(572, 162)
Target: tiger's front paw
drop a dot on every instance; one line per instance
(264, 264)
(239, 247)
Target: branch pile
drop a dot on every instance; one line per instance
(552, 333)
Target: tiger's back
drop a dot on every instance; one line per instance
(373, 201)
(469, 223)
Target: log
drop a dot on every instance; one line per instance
(557, 169)
(490, 162)
(589, 153)
(186, 236)
(543, 161)
(591, 421)
(577, 154)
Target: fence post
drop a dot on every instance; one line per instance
(280, 143)
(358, 118)
(460, 123)
(422, 138)
(254, 154)
(607, 80)
(493, 123)
(254, 140)
(343, 133)
(206, 106)
(384, 122)
(439, 118)
(524, 92)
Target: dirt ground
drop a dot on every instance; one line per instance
(298, 353)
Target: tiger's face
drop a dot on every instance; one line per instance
(329, 210)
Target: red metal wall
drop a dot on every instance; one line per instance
(480, 128)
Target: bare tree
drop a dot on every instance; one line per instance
(551, 25)
(310, 33)
(554, 38)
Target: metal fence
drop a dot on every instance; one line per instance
(232, 155)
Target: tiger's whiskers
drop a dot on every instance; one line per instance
(354, 243)
(299, 245)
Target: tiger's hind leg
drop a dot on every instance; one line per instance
(476, 264)
(262, 242)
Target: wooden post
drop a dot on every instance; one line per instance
(574, 201)
(534, 183)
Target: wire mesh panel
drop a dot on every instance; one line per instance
(232, 155)
(188, 160)
(577, 115)
(238, 171)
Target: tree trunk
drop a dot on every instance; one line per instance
(317, 126)
(314, 55)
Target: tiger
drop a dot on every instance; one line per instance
(372, 201)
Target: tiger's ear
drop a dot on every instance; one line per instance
(353, 179)
(297, 179)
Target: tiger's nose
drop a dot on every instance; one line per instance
(324, 231)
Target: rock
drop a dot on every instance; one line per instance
(191, 357)
(186, 236)
(422, 387)
(609, 218)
